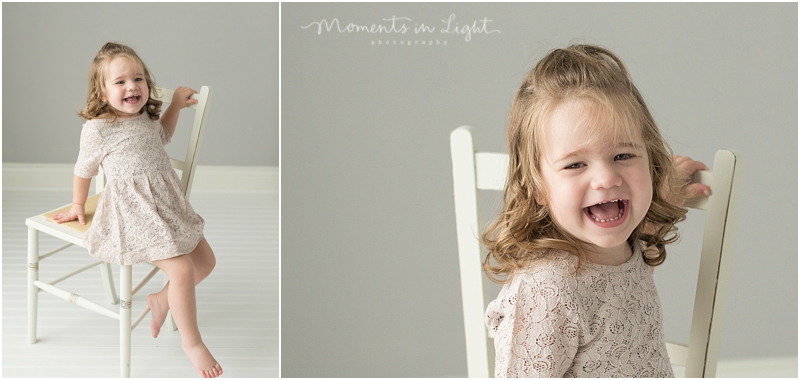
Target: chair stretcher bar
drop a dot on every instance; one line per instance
(87, 303)
(76, 299)
(57, 250)
(139, 318)
(66, 276)
(145, 280)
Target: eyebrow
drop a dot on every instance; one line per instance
(584, 150)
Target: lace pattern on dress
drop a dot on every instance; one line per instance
(142, 214)
(603, 322)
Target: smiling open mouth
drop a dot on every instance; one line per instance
(608, 211)
(132, 99)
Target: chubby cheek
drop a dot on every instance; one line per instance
(563, 207)
(561, 199)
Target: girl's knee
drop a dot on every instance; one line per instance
(212, 263)
(207, 260)
(178, 269)
(205, 266)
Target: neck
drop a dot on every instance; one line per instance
(609, 256)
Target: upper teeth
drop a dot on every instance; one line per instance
(615, 200)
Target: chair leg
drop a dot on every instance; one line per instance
(33, 275)
(108, 283)
(125, 320)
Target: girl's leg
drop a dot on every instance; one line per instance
(181, 273)
(204, 261)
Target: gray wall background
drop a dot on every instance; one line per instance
(230, 47)
(370, 283)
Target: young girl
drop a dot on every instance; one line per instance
(141, 214)
(591, 199)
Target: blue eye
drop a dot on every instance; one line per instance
(576, 165)
(120, 82)
(623, 156)
(139, 79)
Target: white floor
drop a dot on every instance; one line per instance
(237, 305)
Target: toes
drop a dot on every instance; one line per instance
(215, 371)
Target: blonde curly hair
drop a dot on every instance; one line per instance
(525, 231)
(95, 107)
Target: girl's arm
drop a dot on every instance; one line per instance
(536, 333)
(180, 100)
(685, 168)
(80, 191)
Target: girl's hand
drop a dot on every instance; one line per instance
(685, 168)
(75, 212)
(181, 96)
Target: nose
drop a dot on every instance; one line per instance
(605, 177)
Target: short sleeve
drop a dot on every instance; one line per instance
(536, 324)
(91, 152)
(162, 131)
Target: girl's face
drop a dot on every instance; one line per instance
(125, 87)
(598, 190)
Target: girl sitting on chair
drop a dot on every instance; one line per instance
(142, 214)
(591, 199)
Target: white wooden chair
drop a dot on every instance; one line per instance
(473, 171)
(39, 223)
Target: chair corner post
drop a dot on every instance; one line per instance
(33, 276)
(125, 320)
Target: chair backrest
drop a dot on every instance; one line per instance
(473, 171)
(188, 165)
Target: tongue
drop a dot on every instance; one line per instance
(605, 211)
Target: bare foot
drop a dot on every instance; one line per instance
(158, 313)
(203, 362)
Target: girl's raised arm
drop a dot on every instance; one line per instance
(180, 100)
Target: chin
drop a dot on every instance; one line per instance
(609, 244)
(610, 241)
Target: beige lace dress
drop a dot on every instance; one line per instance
(142, 214)
(603, 322)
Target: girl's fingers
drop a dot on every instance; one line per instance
(697, 190)
(695, 166)
(61, 218)
(688, 166)
(679, 159)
